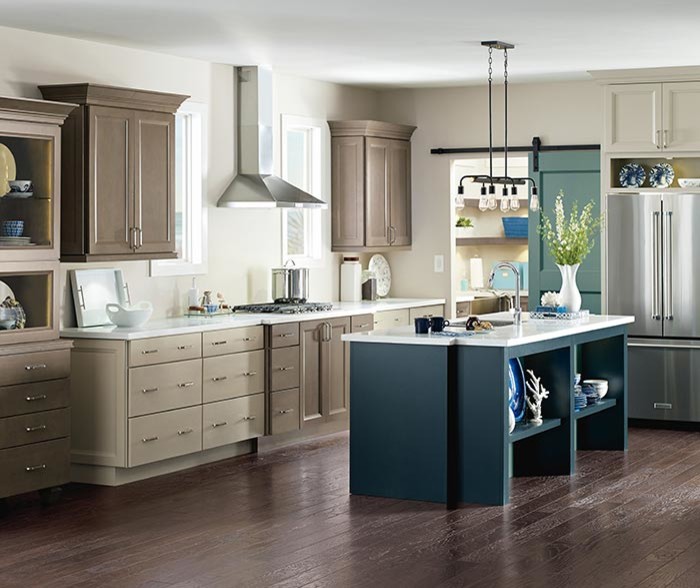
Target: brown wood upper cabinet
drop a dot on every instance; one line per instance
(118, 173)
(371, 185)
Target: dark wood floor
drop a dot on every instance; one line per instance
(285, 519)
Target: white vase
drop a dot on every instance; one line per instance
(569, 295)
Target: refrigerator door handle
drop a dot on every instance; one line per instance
(668, 268)
(655, 263)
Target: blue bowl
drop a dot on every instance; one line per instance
(12, 228)
(515, 227)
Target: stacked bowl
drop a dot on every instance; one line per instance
(595, 390)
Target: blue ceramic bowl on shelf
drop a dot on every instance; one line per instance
(515, 227)
(12, 228)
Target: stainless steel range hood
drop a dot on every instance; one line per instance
(256, 186)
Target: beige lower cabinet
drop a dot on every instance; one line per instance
(325, 364)
(389, 319)
(168, 386)
(231, 421)
(284, 411)
(230, 376)
(436, 310)
(164, 435)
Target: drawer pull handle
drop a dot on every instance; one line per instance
(185, 385)
(35, 468)
(149, 439)
(215, 343)
(246, 339)
(250, 374)
(286, 368)
(285, 335)
(184, 432)
(363, 326)
(183, 347)
(37, 428)
(221, 424)
(148, 390)
(219, 378)
(249, 418)
(285, 411)
(35, 398)
(149, 351)
(663, 405)
(397, 319)
(36, 366)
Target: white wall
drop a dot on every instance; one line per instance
(559, 113)
(243, 244)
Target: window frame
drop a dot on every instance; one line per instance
(195, 259)
(317, 130)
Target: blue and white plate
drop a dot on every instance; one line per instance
(661, 175)
(632, 175)
(516, 389)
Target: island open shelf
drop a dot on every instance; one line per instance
(524, 430)
(604, 404)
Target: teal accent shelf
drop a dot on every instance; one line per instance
(525, 430)
(604, 404)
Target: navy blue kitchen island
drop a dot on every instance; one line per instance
(429, 413)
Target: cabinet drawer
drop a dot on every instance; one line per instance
(360, 323)
(230, 376)
(156, 388)
(27, 398)
(165, 349)
(284, 368)
(34, 367)
(284, 411)
(389, 319)
(234, 420)
(437, 310)
(464, 309)
(232, 341)
(35, 466)
(35, 427)
(284, 335)
(168, 434)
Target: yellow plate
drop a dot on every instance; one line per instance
(8, 169)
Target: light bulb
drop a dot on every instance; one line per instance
(492, 202)
(459, 202)
(534, 202)
(514, 202)
(483, 203)
(505, 205)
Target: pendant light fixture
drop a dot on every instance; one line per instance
(487, 199)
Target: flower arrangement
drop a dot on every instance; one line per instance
(570, 240)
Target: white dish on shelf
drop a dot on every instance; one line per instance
(600, 386)
(19, 195)
(689, 182)
(129, 316)
(380, 267)
(8, 169)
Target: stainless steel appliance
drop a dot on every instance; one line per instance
(653, 273)
(284, 308)
(290, 284)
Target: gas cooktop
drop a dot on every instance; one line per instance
(284, 307)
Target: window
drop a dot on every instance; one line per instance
(303, 142)
(190, 183)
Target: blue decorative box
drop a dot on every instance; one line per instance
(515, 227)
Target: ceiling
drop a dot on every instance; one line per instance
(383, 43)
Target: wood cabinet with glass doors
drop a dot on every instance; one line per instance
(118, 173)
(371, 185)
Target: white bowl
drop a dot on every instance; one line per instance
(689, 182)
(600, 386)
(129, 316)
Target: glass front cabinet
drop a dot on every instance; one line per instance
(30, 142)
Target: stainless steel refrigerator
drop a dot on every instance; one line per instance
(653, 272)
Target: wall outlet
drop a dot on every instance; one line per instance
(439, 264)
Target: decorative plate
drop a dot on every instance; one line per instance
(380, 267)
(661, 175)
(516, 389)
(7, 297)
(632, 175)
(8, 169)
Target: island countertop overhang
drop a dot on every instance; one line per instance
(531, 331)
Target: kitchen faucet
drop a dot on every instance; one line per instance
(517, 311)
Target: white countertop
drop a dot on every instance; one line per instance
(471, 295)
(531, 331)
(182, 325)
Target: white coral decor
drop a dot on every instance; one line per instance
(536, 394)
(550, 299)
